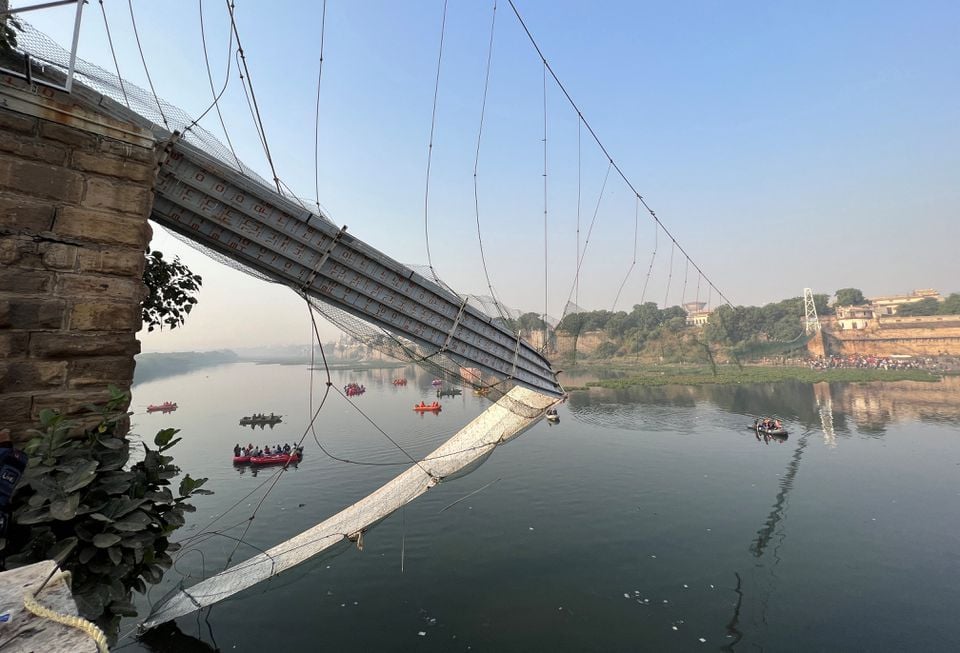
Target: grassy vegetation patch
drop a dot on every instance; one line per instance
(656, 376)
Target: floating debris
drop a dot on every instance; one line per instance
(703, 641)
(674, 627)
(686, 587)
(422, 633)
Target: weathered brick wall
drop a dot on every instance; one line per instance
(937, 335)
(587, 342)
(73, 228)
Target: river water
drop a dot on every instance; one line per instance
(648, 519)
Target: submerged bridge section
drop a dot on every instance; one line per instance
(240, 218)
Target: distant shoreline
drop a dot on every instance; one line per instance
(731, 375)
(154, 366)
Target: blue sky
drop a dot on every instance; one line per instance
(784, 144)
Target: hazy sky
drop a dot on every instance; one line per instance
(785, 144)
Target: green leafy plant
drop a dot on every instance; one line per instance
(171, 288)
(107, 522)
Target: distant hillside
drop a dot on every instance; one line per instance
(158, 366)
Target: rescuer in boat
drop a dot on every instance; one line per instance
(237, 450)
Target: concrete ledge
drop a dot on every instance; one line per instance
(24, 631)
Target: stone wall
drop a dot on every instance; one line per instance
(587, 343)
(934, 335)
(75, 194)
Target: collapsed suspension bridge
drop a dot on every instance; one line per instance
(235, 216)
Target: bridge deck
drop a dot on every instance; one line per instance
(240, 218)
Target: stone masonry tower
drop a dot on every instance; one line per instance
(75, 193)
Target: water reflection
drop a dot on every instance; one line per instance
(828, 407)
(769, 527)
(168, 638)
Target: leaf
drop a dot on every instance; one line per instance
(113, 443)
(86, 554)
(34, 516)
(123, 608)
(62, 549)
(135, 521)
(65, 509)
(116, 557)
(174, 518)
(104, 540)
(81, 477)
(138, 540)
(90, 605)
(48, 417)
(101, 517)
(164, 436)
(188, 485)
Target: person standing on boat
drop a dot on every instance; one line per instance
(236, 450)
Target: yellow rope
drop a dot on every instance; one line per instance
(31, 604)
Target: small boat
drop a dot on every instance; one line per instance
(452, 392)
(275, 459)
(259, 418)
(423, 408)
(165, 407)
(241, 460)
(552, 415)
(400, 381)
(767, 430)
(436, 383)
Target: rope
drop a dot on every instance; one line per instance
(576, 280)
(476, 165)
(653, 257)
(253, 96)
(145, 69)
(113, 54)
(683, 294)
(433, 123)
(636, 225)
(603, 149)
(545, 250)
(217, 96)
(316, 122)
(32, 605)
(666, 295)
(586, 242)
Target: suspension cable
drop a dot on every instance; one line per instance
(143, 59)
(603, 149)
(316, 122)
(433, 124)
(113, 54)
(476, 164)
(636, 226)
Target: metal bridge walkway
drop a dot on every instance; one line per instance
(240, 218)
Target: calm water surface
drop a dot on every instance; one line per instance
(646, 520)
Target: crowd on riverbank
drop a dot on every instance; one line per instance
(855, 361)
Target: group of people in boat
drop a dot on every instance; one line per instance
(263, 417)
(257, 451)
(767, 424)
(353, 389)
(425, 406)
(400, 381)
